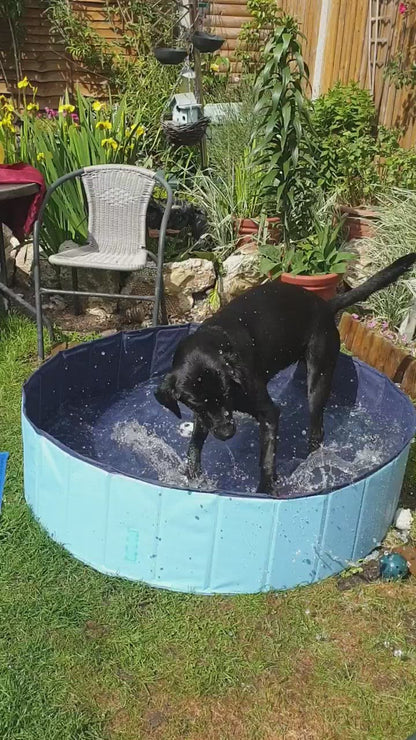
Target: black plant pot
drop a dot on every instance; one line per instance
(170, 56)
(206, 42)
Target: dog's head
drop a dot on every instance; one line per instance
(205, 385)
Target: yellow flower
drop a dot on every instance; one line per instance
(215, 67)
(32, 107)
(66, 108)
(40, 156)
(22, 84)
(103, 125)
(140, 130)
(6, 122)
(8, 107)
(3, 99)
(97, 106)
(110, 142)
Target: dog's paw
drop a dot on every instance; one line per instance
(267, 487)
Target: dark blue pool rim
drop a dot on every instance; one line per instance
(57, 364)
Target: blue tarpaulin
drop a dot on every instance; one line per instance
(3, 463)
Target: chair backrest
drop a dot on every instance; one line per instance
(118, 196)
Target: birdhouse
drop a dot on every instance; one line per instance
(185, 109)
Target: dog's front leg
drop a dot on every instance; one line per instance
(268, 418)
(199, 435)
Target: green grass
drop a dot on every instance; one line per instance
(87, 657)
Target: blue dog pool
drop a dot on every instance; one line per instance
(104, 472)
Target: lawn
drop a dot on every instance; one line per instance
(88, 657)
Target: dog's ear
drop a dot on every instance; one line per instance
(166, 394)
(235, 369)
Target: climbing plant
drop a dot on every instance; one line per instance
(12, 11)
(126, 62)
(264, 16)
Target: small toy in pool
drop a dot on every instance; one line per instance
(393, 567)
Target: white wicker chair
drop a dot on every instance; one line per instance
(117, 198)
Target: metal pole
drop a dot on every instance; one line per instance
(199, 93)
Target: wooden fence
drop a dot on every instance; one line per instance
(345, 40)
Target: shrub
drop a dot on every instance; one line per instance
(355, 157)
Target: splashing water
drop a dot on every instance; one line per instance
(131, 433)
(159, 455)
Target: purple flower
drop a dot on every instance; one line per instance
(355, 316)
(384, 325)
(51, 113)
(75, 117)
(371, 324)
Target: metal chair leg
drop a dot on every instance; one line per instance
(38, 303)
(77, 304)
(163, 308)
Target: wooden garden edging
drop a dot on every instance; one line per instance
(379, 352)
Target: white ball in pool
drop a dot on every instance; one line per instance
(185, 429)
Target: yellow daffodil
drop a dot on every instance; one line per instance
(40, 156)
(110, 143)
(215, 67)
(103, 125)
(140, 130)
(97, 106)
(3, 99)
(66, 108)
(6, 123)
(22, 84)
(32, 107)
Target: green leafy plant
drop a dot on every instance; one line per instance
(319, 254)
(395, 236)
(58, 142)
(356, 158)
(281, 112)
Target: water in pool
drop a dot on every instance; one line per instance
(131, 433)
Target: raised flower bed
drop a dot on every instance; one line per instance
(372, 342)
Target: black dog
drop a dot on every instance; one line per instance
(226, 364)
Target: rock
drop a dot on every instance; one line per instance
(24, 260)
(191, 276)
(240, 272)
(100, 313)
(202, 310)
(143, 283)
(403, 519)
(360, 268)
(11, 245)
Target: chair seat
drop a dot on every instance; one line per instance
(72, 255)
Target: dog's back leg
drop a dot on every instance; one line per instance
(321, 358)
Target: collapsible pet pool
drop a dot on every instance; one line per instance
(103, 468)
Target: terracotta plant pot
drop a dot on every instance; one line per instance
(246, 228)
(323, 285)
(360, 222)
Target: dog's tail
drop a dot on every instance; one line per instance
(378, 281)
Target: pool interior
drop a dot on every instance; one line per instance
(367, 423)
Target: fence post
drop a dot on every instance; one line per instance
(320, 48)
